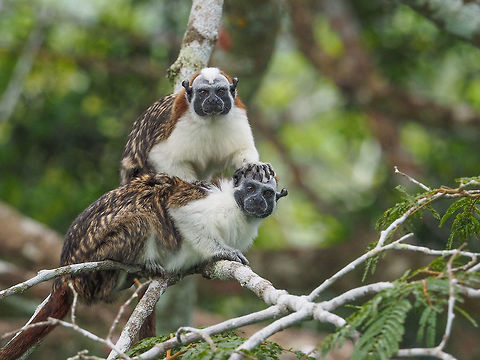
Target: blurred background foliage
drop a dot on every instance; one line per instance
(102, 63)
(376, 85)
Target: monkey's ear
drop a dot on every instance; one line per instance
(188, 89)
(281, 194)
(233, 86)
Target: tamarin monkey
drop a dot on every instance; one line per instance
(195, 134)
(161, 223)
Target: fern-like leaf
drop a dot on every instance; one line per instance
(453, 209)
(384, 333)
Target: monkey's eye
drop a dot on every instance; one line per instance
(203, 93)
(250, 189)
(268, 193)
(220, 92)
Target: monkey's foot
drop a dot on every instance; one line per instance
(232, 255)
(153, 268)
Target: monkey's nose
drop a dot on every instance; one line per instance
(255, 205)
(213, 106)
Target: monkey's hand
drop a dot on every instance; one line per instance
(259, 171)
(228, 253)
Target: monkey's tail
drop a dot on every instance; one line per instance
(57, 307)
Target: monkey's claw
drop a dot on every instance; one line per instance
(232, 255)
(153, 268)
(260, 171)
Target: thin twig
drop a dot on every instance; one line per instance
(123, 308)
(74, 303)
(451, 303)
(205, 336)
(424, 187)
(143, 309)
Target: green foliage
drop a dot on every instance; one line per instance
(371, 263)
(225, 344)
(381, 320)
(473, 180)
(384, 332)
(409, 202)
(427, 326)
(466, 224)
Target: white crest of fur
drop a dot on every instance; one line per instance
(210, 74)
(209, 224)
(199, 145)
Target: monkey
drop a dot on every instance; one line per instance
(195, 134)
(161, 223)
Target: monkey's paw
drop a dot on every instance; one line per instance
(259, 171)
(232, 255)
(153, 268)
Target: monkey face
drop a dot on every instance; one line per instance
(255, 191)
(211, 93)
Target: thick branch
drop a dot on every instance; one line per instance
(198, 42)
(142, 311)
(45, 275)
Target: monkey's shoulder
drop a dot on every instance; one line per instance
(156, 123)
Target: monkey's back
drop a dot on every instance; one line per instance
(116, 225)
(153, 126)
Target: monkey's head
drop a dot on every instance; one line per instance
(210, 92)
(255, 190)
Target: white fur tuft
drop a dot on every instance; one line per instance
(210, 74)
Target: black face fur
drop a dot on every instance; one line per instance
(255, 191)
(211, 98)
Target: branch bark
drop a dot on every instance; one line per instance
(144, 308)
(198, 42)
(45, 275)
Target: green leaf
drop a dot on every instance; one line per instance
(466, 316)
(453, 208)
(225, 344)
(466, 225)
(465, 180)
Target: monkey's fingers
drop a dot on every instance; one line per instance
(232, 255)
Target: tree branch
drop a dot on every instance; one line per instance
(45, 275)
(198, 42)
(142, 311)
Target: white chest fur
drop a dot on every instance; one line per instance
(209, 224)
(200, 143)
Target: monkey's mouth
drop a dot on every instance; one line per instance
(213, 106)
(258, 213)
(208, 110)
